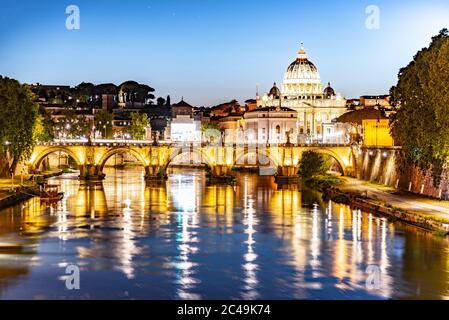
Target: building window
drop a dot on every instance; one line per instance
(278, 130)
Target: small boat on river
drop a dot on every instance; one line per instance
(50, 193)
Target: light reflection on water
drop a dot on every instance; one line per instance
(189, 240)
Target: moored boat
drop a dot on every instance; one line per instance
(50, 193)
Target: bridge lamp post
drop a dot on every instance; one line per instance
(100, 124)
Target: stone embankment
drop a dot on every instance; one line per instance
(435, 223)
(16, 196)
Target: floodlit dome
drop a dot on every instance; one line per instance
(302, 77)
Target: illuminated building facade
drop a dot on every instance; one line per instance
(271, 125)
(232, 126)
(376, 133)
(302, 91)
(184, 127)
(368, 127)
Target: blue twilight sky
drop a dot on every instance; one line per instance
(211, 51)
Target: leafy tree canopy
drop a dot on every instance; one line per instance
(18, 114)
(44, 127)
(421, 124)
(211, 133)
(313, 164)
(139, 124)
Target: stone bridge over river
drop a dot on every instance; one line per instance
(283, 160)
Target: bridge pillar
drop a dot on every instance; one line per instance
(287, 174)
(221, 173)
(155, 173)
(91, 172)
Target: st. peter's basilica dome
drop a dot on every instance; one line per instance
(302, 79)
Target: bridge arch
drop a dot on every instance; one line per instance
(121, 150)
(334, 155)
(240, 158)
(37, 160)
(199, 152)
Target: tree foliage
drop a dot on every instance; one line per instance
(18, 114)
(137, 92)
(211, 133)
(43, 130)
(313, 164)
(421, 124)
(139, 124)
(104, 122)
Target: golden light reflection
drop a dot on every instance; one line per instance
(329, 241)
(386, 280)
(341, 268)
(185, 197)
(316, 240)
(370, 240)
(250, 266)
(91, 204)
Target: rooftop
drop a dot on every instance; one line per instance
(360, 115)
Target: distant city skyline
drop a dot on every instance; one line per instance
(216, 51)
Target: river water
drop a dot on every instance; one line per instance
(185, 239)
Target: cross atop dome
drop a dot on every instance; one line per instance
(302, 55)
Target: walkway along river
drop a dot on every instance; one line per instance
(184, 239)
